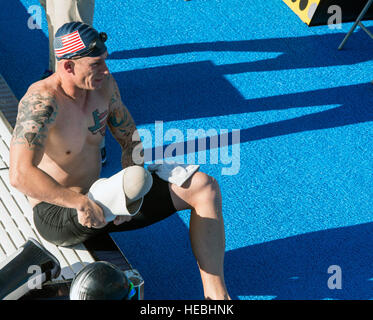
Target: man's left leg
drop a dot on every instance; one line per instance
(201, 194)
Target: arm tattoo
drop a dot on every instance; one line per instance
(124, 131)
(129, 157)
(123, 128)
(118, 120)
(35, 112)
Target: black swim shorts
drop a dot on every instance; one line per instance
(60, 225)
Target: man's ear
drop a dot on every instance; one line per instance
(69, 65)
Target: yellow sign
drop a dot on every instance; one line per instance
(305, 9)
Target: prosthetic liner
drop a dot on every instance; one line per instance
(122, 193)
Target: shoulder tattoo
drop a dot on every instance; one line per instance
(35, 112)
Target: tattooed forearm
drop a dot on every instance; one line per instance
(35, 112)
(133, 155)
(132, 149)
(124, 131)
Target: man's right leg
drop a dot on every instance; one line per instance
(201, 194)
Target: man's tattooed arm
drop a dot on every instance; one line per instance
(124, 130)
(36, 112)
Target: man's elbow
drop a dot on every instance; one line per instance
(14, 177)
(17, 177)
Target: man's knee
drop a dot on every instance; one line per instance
(200, 188)
(202, 180)
(203, 187)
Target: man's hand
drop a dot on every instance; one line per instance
(90, 214)
(120, 219)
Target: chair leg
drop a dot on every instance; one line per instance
(357, 22)
(366, 30)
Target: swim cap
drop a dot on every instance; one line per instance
(77, 39)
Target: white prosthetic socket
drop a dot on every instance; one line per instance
(122, 193)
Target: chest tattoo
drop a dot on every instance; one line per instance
(100, 121)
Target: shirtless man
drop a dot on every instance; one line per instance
(55, 158)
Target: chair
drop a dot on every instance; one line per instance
(358, 23)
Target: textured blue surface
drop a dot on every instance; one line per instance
(302, 200)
